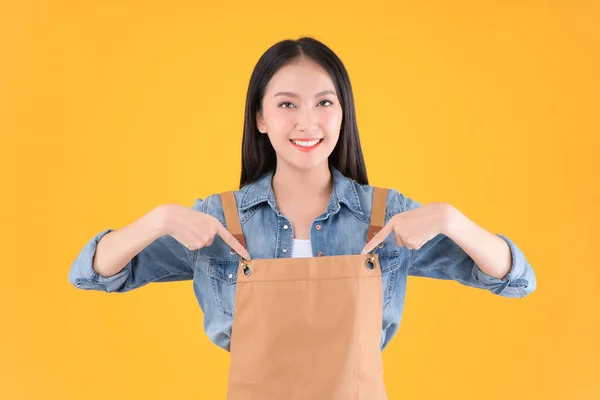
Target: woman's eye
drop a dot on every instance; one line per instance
(287, 104)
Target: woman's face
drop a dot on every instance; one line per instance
(301, 114)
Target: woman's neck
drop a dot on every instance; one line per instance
(302, 185)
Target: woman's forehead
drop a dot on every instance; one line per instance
(305, 78)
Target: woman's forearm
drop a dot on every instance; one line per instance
(118, 247)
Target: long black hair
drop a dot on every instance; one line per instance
(258, 155)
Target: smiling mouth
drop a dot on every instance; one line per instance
(306, 144)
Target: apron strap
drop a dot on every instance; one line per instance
(377, 211)
(231, 217)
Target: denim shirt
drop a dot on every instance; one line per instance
(341, 230)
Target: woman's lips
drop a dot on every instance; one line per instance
(304, 148)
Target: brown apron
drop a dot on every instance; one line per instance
(307, 328)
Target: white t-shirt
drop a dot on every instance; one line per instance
(302, 248)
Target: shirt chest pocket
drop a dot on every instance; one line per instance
(389, 260)
(223, 277)
(392, 265)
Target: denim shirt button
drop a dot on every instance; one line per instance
(284, 250)
(285, 227)
(319, 254)
(318, 227)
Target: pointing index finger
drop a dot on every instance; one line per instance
(378, 238)
(232, 242)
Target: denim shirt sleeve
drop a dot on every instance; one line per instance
(164, 260)
(442, 258)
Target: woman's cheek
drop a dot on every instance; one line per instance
(276, 128)
(333, 123)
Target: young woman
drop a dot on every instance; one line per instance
(281, 267)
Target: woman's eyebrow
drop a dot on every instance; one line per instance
(290, 94)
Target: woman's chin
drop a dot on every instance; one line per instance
(307, 165)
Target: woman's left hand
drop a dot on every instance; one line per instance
(415, 227)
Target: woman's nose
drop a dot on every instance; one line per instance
(307, 119)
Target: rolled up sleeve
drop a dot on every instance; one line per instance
(519, 282)
(83, 276)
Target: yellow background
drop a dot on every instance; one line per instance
(110, 108)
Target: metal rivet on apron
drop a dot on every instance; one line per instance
(231, 251)
(380, 245)
(319, 254)
(318, 227)
(370, 263)
(246, 269)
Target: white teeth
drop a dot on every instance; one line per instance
(306, 144)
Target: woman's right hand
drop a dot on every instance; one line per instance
(195, 229)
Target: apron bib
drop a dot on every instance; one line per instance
(307, 328)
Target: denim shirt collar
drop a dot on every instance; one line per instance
(344, 192)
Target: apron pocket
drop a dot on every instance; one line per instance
(223, 276)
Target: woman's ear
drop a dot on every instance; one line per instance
(260, 123)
